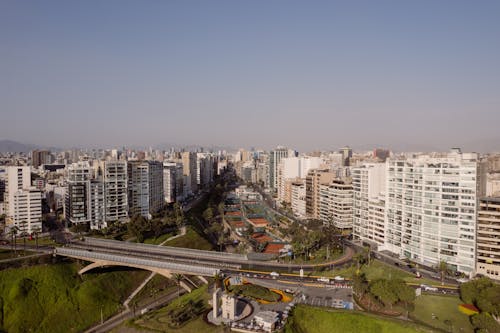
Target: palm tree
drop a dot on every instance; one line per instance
(218, 280)
(178, 278)
(36, 231)
(443, 269)
(13, 233)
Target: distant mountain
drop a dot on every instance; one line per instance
(15, 147)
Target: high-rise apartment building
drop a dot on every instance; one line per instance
(23, 202)
(77, 196)
(40, 157)
(115, 191)
(488, 238)
(431, 209)
(275, 157)
(96, 194)
(190, 169)
(335, 203)
(368, 182)
(298, 201)
(291, 168)
(169, 181)
(314, 178)
(145, 187)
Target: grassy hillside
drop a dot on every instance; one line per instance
(307, 319)
(54, 298)
(192, 240)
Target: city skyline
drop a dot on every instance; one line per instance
(309, 76)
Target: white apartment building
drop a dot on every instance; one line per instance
(77, 196)
(298, 203)
(488, 238)
(145, 187)
(115, 191)
(368, 182)
(431, 205)
(275, 157)
(23, 202)
(292, 168)
(335, 203)
(169, 180)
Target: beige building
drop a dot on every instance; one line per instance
(313, 180)
(228, 306)
(23, 202)
(335, 203)
(189, 167)
(488, 238)
(298, 198)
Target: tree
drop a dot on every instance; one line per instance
(14, 230)
(484, 323)
(360, 284)
(406, 294)
(443, 270)
(218, 280)
(382, 289)
(36, 231)
(157, 227)
(179, 215)
(208, 214)
(137, 226)
(178, 278)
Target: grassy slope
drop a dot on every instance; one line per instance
(444, 308)
(159, 240)
(255, 291)
(56, 299)
(307, 319)
(190, 240)
(378, 270)
(157, 320)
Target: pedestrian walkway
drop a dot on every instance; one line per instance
(145, 282)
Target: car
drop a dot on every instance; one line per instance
(323, 279)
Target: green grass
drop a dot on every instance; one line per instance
(254, 291)
(56, 299)
(319, 256)
(157, 286)
(444, 308)
(42, 241)
(379, 270)
(159, 320)
(8, 254)
(191, 240)
(306, 319)
(159, 240)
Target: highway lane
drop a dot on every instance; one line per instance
(206, 256)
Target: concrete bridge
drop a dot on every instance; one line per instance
(163, 267)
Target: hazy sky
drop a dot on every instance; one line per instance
(307, 74)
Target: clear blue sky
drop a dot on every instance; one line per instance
(307, 74)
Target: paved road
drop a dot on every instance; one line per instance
(118, 319)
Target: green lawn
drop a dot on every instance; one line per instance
(55, 298)
(444, 308)
(159, 320)
(190, 240)
(42, 241)
(379, 270)
(159, 240)
(156, 287)
(307, 319)
(255, 291)
(8, 254)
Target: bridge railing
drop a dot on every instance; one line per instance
(189, 269)
(165, 249)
